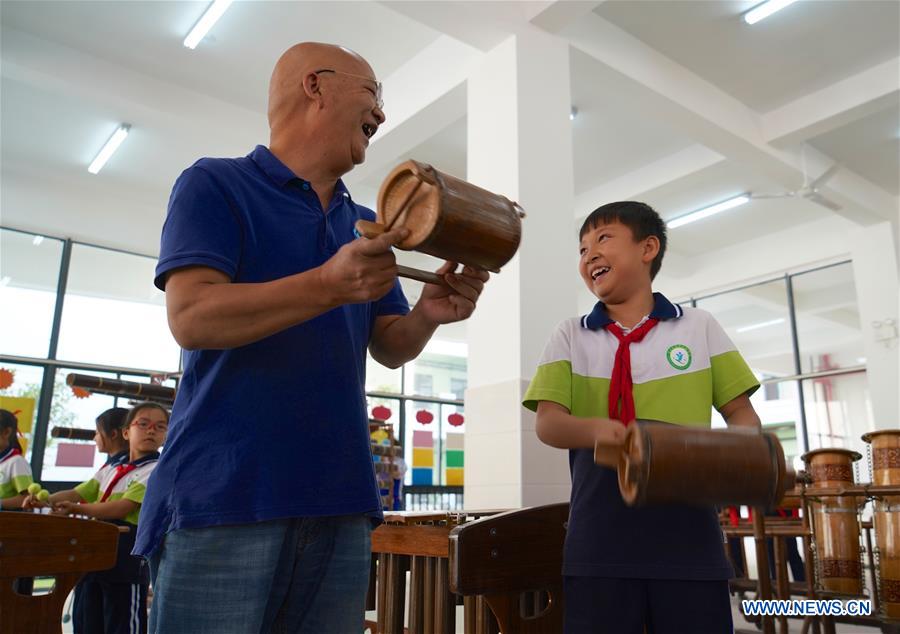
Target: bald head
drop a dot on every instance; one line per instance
(286, 91)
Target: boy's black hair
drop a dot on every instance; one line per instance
(641, 218)
(8, 420)
(112, 420)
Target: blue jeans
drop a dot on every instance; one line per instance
(297, 575)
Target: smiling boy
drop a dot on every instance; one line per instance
(636, 355)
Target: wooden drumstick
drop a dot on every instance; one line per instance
(608, 454)
(370, 230)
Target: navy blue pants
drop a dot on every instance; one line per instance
(597, 605)
(102, 607)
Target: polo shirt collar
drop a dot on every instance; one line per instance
(663, 309)
(144, 460)
(118, 458)
(281, 174)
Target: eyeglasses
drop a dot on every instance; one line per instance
(379, 102)
(146, 423)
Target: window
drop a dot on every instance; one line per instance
(424, 384)
(113, 314)
(21, 397)
(838, 411)
(382, 379)
(828, 326)
(29, 275)
(832, 405)
(69, 460)
(757, 321)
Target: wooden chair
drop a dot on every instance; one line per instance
(34, 545)
(513, 562)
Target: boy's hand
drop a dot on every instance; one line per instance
(609, 438)
(609, 431)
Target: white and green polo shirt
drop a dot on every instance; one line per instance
(15, 473)
(680, 370)
(131, 486)
(683, 367)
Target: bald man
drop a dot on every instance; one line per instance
(258, 515)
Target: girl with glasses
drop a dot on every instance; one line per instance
(115, 600)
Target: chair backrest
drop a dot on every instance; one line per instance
(34, 545)
(506, 555)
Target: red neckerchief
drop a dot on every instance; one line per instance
(121, 471)
(620, 387)
(14, 452)
(734, 515)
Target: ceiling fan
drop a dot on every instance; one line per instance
(810, 190)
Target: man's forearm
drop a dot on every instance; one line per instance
(230, 315)
(402, 340)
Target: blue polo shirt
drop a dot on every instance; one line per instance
(277, 428)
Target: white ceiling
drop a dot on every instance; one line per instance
(676, 106)
(869, 146)
(806, 46)
(234, 61)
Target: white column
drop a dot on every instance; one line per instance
(875, 272)
(520, 145)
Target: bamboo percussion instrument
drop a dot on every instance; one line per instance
(661, 463)
(505, 568)
(885, 464)
(835, 521)
(73, 433)
(447, 218)
(116, 387)
(417, 542)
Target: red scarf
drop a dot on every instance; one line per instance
(121, 471)
(14, 452)
(620, 387)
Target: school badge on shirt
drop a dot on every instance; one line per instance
(679, 356)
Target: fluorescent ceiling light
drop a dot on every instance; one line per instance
(111, 146)
(706, 212)
(764, 10)
(206, 22)
(762, 324)
(37, 240)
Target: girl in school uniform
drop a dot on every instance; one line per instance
(109, 440)
(15, 472)
(115, 601)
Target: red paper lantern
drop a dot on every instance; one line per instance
(80, 392)
(424, 416)
(456, 419)
(6, 378)
(381, 413)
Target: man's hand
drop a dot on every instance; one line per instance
(363, 270)
(442, 305)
